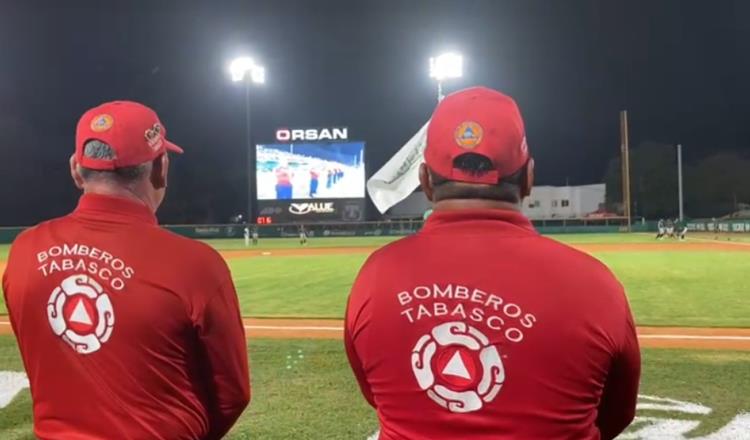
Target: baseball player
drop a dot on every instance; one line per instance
(661, 228)
(477, 327)
(681, 228)
(255, 236)
(302, 235)
(670, 228)
(126, 330)
(246, 234)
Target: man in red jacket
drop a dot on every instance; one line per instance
(127, 331)
(477, 327)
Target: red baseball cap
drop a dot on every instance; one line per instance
(481, 121)
(132, 130)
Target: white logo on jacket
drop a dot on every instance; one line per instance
(469, 372)
(80, 312)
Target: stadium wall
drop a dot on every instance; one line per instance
(372, 229)
(719, 225)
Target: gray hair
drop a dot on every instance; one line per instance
(95, 149)
(98, 150)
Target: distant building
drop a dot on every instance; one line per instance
(544, 203)
(558, 202)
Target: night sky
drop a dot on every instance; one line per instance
(682, 69)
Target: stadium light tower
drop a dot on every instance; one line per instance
(244, 69)
(446, 66)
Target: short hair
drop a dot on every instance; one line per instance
(95, 149)
(508, 189)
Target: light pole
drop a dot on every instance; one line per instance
(244, 69)
(446, 66)
(679, 182)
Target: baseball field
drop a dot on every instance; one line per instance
(691, 301)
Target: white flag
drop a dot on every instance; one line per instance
(399, 177)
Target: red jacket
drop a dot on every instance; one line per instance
(479, 328)
(127, 331)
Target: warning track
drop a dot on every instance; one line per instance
(650, 337)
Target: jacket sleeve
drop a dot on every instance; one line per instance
(617, 405)
(355, 327)
(221, 335)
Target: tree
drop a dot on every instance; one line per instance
(653, 180)
(715, 185)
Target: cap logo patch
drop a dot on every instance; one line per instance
(524, 146)
(468, 134)
(154, 136)
(101, 123)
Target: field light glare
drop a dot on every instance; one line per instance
(240, 67)
(447, 65)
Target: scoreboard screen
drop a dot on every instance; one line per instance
(310, 171)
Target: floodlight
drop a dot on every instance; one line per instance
(447, 65)
(242, 66)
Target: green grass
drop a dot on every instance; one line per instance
(604, 238)
(717, 379)
(295, 286)
(723, 237)
(316, 397)
(702, 289)
(665, 287)
(293, 243)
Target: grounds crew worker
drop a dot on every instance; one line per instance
(477, 327)
(127, 331)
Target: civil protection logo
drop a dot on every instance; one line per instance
(468, 134)
(457, 367)
(101, 123)
(80, 312)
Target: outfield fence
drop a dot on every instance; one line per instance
(730, 226)
(393, 227)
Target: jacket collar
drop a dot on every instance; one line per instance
(112, 208)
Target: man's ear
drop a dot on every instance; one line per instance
(160, 171)
(74, 174)
(425, 181)
(528, 181)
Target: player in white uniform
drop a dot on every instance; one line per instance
(662, 230)
(246, 233)
(302, 236)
